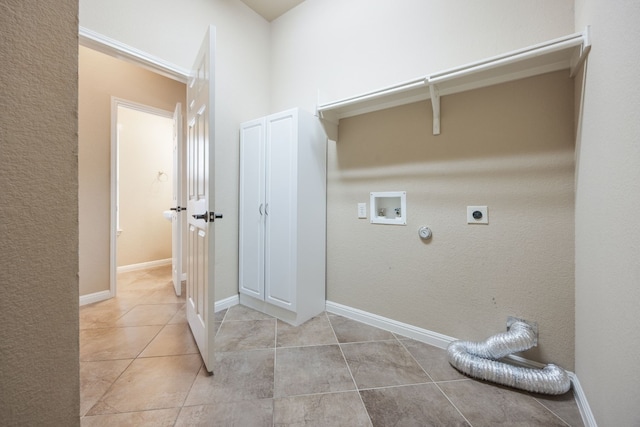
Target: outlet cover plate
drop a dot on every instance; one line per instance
(362, 210)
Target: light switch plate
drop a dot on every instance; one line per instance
(482, 217)
(362, 210)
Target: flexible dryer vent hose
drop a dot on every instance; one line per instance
(479, 360)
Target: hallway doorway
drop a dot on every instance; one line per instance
(142, 175)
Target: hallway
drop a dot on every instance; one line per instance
(139, 366)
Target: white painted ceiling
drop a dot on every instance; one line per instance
(271, 9)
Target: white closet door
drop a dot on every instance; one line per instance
(252, 208)
(281, 218)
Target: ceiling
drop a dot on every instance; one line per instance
(271, 9)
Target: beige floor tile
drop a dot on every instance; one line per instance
(382, 364)
(333, 409)
(115, 343)
(433, 360)
(305, 381)
(104, 314)
(413, 405)
(180, 316)
(172, 340)
(96, 378)
(157, 418)
(248, 413)
(246, 335)
(311, 370)
(149, 314)
(240, 312)
(564, 406)
(165, 295)
(220, 315)
(151, 383)
(316, 331)
(243, 375)
(348, 330)
(489, 405)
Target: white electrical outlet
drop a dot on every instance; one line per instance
(477, 215)
(362, 210)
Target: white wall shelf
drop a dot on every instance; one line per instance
(568, 52)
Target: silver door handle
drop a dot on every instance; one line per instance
(260, 209)
(266, 209)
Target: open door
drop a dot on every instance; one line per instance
(201, 199)
(176, 216)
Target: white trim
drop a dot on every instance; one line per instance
(111, 47)
(226, 303)
(114, 230)
(95, 297)
(442, 341)
(144, 265)
(581, 399)
(404, 329)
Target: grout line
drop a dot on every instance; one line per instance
(396, 386)
(415, 360)
(434, 382)
(349, 369)
(453, 404)
(110, 386)
(548, 409)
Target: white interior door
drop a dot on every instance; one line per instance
(201, 199)
(176, 216)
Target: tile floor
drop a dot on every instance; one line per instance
(140, 367)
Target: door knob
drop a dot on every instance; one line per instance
(201, 216)
(208, 216)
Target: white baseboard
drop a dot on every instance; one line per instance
(144, 265)
(581, 399)
(94, 297)
(226, 303)
(442, 341)
(429, 337)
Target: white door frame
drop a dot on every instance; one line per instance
(116, 49)
(111, 47)
(113, 250)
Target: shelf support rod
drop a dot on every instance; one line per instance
(435, 106)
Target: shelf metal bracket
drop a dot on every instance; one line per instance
(435, 105)
(578, 60)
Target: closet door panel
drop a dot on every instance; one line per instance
(281, 220)
(252, 208)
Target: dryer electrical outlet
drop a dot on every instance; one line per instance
(477, 215)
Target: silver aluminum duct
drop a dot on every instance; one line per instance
(479, 360)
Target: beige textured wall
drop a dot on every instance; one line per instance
(38, 206)
(100, 78)
(146, 149)
(509, 147)
(607, 204)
